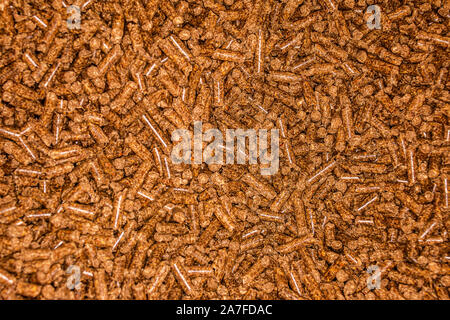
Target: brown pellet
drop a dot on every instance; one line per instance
(87, 130)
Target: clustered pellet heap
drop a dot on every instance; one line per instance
(87, 183)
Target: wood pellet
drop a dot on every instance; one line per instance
(92, 205)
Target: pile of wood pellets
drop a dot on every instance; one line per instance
(93, 207)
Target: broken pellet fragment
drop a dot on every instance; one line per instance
(266, 190)
(296, 243)
(255, 270)
(182, 277)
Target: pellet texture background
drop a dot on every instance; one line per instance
(92, 206)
